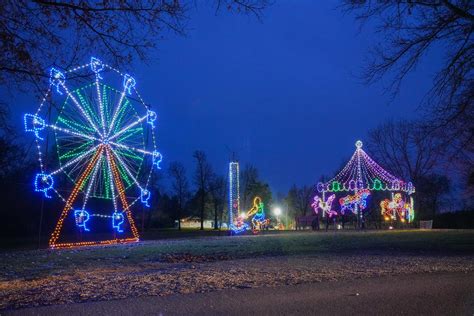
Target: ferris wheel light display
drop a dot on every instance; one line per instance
(105, 152)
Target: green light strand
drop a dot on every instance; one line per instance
(76, 151)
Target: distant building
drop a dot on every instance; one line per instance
(195, 222)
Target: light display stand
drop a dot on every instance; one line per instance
(234, 193)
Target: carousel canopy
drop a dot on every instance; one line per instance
(361, 172)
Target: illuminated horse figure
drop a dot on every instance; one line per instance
(325, 207)
(350, 202)
(258, 213)
(397, 206)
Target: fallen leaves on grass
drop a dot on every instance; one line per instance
(195, 274)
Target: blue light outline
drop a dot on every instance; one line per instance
(44, 190)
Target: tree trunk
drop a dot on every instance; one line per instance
(179, 217)
(202, 211)
(216, 227)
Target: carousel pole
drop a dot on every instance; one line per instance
(324, 199)
(358, 145)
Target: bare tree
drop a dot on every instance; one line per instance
(202, 178)
(248, 178)
(38, 34)
(218, 188)
(300, 199)
(13, 156)
(411, 28)
(404, 148)
(431, 197)
(180, 187)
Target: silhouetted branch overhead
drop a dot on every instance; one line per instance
(38, 34)
(255, 7)
(412, 28)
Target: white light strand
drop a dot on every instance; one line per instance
(126, 128)
(146, 152)
(116, 111)
(75, 160)
(126, 169)
(91, 182)
(68, 131)
(74, 100)
(109, 168)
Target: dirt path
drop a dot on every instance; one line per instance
(422, 294)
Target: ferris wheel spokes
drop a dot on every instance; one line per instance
(62, 83)
(123, 164)
(145, 194)
(139, 150)
(82, 216)
(101, 104)
(112, 187)
(128, 83)
(91, 182)
(77, 159)
(156, 155)
(68, 131)
(126, 128)
(117, 217)
(97, 66)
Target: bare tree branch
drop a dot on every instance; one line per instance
(36, 35)
(411, 28)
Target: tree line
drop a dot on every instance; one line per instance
(205, 195)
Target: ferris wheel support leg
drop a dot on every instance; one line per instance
(72, 198)
(123, 199)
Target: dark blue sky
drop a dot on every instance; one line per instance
(283, 93)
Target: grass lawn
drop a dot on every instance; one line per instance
(202, 264)
(35, 263)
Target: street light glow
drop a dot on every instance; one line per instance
(277, 211)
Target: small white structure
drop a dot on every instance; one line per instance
(426, 224)
(195, 222)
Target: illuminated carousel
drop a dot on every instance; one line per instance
(360, 177)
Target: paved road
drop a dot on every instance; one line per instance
(426, 294)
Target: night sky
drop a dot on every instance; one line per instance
(283, 93)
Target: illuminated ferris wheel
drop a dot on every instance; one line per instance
(105, 153)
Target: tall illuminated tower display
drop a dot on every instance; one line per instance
(234, 192)
(105, 153)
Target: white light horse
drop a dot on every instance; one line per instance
(324, 206)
